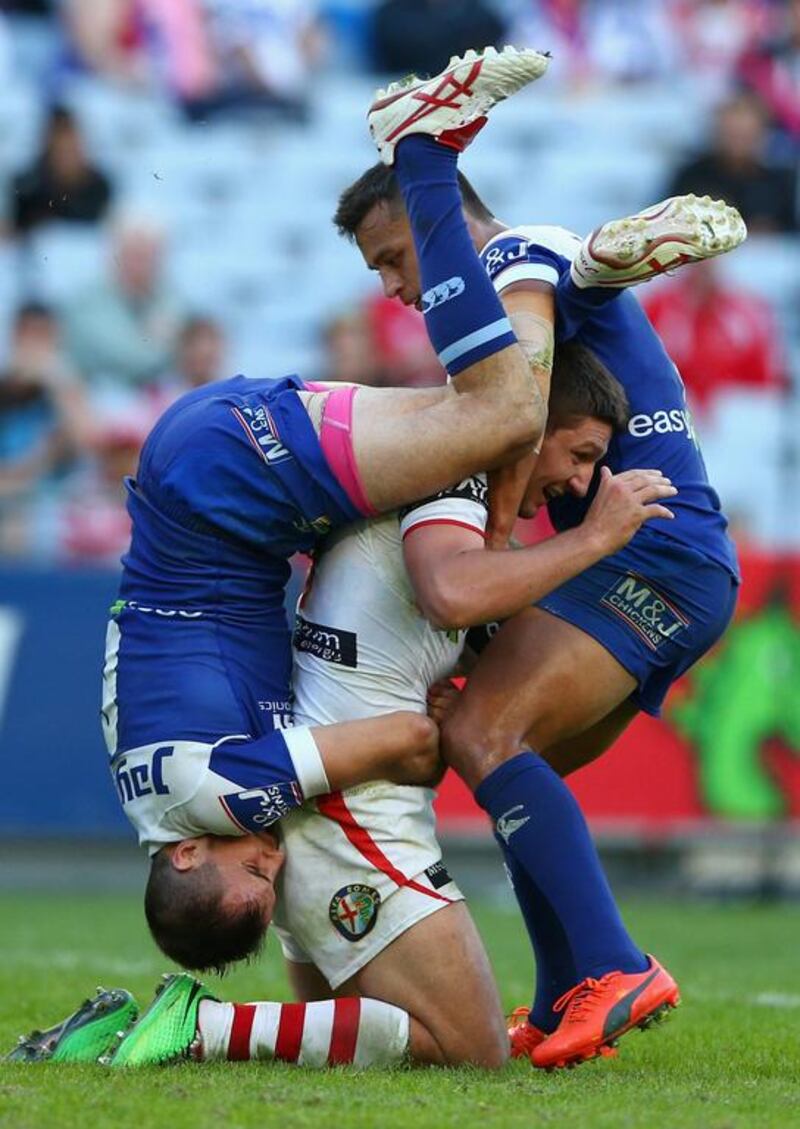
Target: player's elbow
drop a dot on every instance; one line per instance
(443, 605)
(420, 762)
(422, 734)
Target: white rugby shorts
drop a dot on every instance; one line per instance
(361, 868)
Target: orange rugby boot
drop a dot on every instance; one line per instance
(598, 1012)
(522, 1034)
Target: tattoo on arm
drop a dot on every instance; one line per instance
(535, 336)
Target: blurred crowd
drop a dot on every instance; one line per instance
(83, 377)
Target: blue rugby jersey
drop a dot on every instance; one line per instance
(231, 482)
(660, 432)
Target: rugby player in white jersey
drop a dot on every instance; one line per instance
(366, 905)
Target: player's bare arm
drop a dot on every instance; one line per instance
(530, 307)
(402, 747)
(458, 583)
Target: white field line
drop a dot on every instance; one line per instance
(65, 960)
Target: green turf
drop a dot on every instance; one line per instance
(729, 1058)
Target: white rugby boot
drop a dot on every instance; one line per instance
(451, 106)
(680, 230)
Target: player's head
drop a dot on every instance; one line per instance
(371, 212)
(587, 405)
(210, 899)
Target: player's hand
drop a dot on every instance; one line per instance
(507, 486)
(442, 697)
(623, 503)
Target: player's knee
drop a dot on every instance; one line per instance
(190, 922)
(474, 750)
(487, 1048)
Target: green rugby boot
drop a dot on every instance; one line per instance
(168, 1028)
(85, 1035)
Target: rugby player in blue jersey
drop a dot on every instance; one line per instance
(561, 680)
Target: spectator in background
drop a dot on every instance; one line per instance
(715, 34)
(421, 35)
(160, 43)
(600, 40)
(42, 417)
(262, 53)
(124, 329)
(719, 336)
(401, 347)
(199, 359)
(61, 184)
(733, 169)
(89, 522)
(108, 39)
(772, 70)
(349, 349)
(179, 48)
(628, 42)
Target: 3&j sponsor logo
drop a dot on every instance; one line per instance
(260, 425)
(647, 611)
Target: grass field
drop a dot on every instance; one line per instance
(729, 1058)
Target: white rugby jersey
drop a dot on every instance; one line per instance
(361, 648)
(361, 645)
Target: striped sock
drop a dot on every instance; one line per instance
(324, 1033)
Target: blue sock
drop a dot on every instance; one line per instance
(543, 827)
(555, 968)
(575, 306)
(463, 315)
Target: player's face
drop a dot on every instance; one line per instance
(248, 867)
(386, 244)
(566, 463)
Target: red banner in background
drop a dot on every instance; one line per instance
(728, 745)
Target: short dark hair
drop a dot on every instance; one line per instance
(188, 922)
(379, 185)
(582, 386)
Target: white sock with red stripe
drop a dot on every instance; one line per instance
(324, 1033)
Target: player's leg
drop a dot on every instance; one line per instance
(574, 752)
(405, 445)
(366, 899)
(392, 983)
(185, 1021)
(516, 694)
(439, 973)
(540, 681)
(609, 632)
